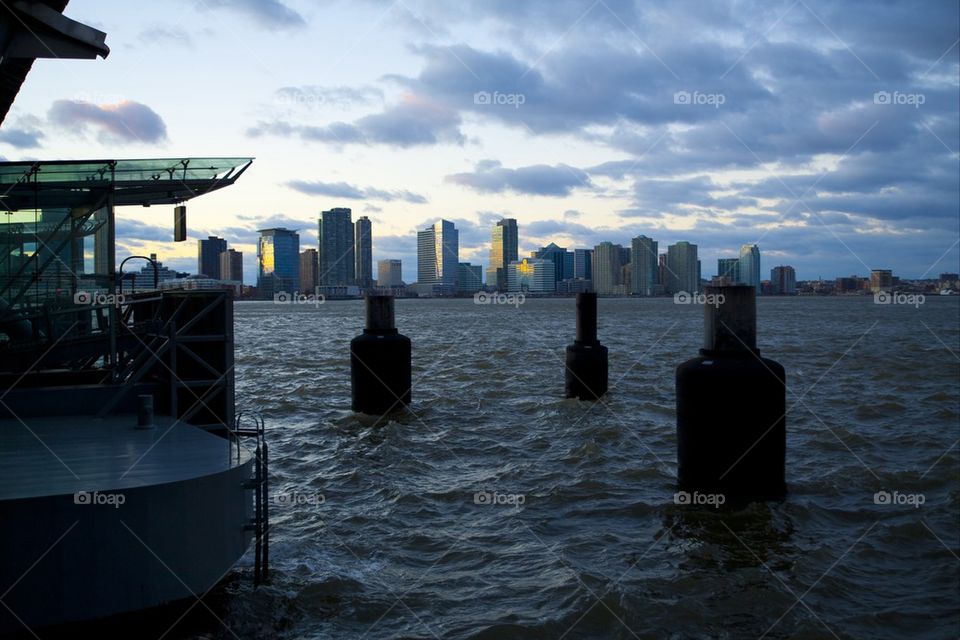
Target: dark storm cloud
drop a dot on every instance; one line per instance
(546, 180)
(351, 192)
(125, 121)
(413, 122)
(271, 14)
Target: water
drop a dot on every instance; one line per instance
(383, 537)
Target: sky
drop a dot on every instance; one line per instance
(826, 133)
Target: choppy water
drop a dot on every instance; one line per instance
(398, 548)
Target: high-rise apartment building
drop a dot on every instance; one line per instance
(335, 249)
(682, 268)
(750, 266)
(438, 250)
(309, 271)
(231, 266)
(643, 260)
(208, 256)
(363, 250)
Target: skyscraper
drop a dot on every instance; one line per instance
(503, 251)
(608, 261)
(335, 249)
(309, 266)
(750, 266)
(438, 250)
(561, 258)
(783, 280)
(208, 256)
(278, 261)
(683, 273)
(389, 273)
(363, 248)
(881, 280)
(729, 268)
(583, 264)
(644, 270)
(231, 266)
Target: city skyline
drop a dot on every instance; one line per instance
(851, 166)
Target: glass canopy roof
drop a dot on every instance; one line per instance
(72, 183)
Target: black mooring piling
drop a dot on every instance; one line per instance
(380, 375)
(731, 406)
(586, 370)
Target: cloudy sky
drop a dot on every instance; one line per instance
(825, 132)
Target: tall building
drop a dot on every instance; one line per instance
(783, 280)
(363, 248)
(278, 261)
(208, 256)
(438, 250)
(583, 264)
(335, 249)
(231, 265)
(531, 275)
(644, 271)
(608, 262)
(309, 271)
(750, 266)
(503, 251)
(683, 272)
(729, 268)
(881, 280)
(469, 278)
(561, 258)
(390, 273)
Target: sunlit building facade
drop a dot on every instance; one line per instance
(503, 251)
(389, 273)
(438, 250)
(278, 261)
(309, 270)
(531, 275)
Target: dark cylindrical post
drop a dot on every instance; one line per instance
(380, 369)
(145, 412)
(586, 359)
(731, 406)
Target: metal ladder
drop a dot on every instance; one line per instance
(260, 524)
